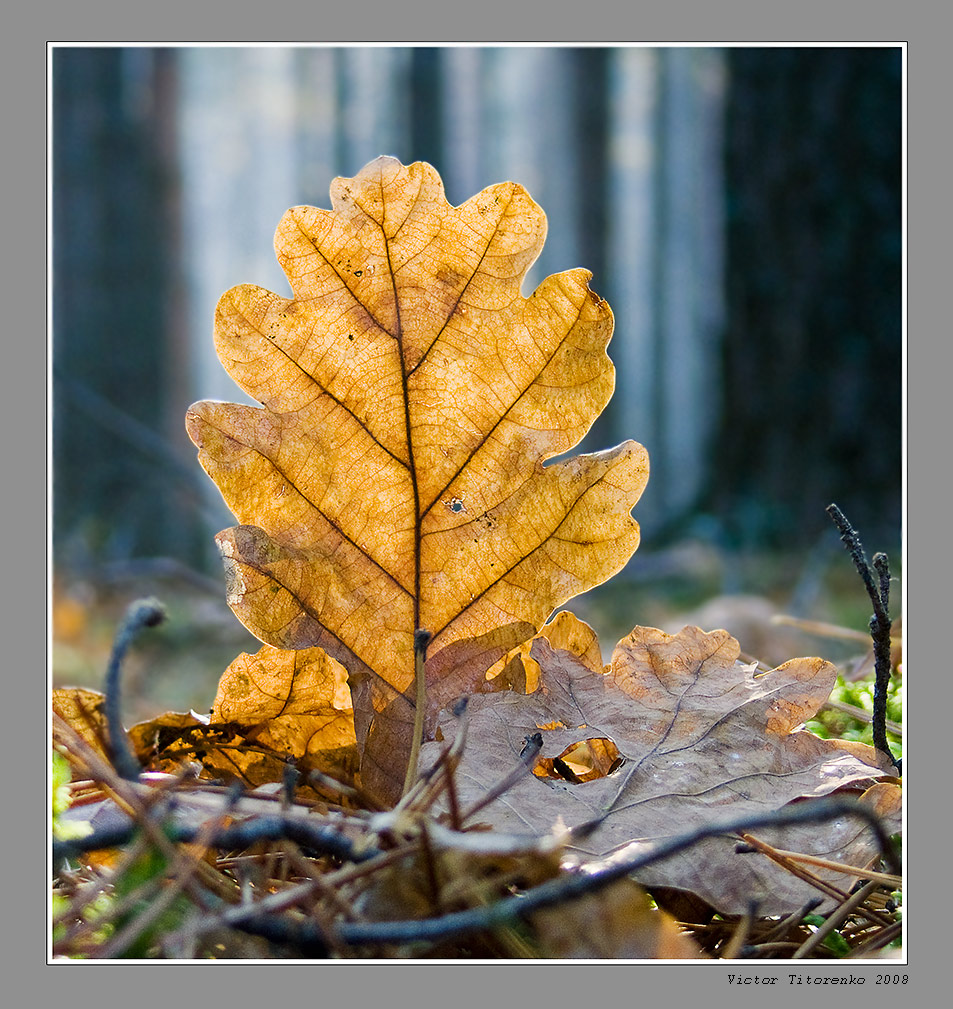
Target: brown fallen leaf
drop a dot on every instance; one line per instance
(293, 703)
(393, 477)
(619, 922)
(271, 707)
(702, 737)
(84, 711)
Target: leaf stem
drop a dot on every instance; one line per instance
(421, 640)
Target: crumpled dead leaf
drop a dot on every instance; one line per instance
(393, 477)
(702, 737)
(618, 922)
(84, 711)
(272, 707)
(292, 702)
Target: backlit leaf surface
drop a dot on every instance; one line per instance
(392, 478)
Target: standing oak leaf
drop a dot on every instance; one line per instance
(675, 734)
(392, 479)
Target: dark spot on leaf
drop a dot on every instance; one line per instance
(448, 276)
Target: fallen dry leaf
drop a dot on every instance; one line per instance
(618, 922)
(271, 707)
(293, 703)
(84, 711)
(393, 477)
(702, 738)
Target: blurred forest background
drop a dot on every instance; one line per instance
(739, 207)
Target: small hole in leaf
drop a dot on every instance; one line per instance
(583, 761)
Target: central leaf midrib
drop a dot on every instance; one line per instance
(411, 464)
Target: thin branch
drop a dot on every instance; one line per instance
(847, 870)
(355, 792)
(236, 837)
(855, 548)
(879, 593)
(601, 874)
(142, 613)
(305, 937)
(894, 728)
(821, 629)
(834, 919)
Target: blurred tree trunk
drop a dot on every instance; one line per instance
(620, 147)
(812, 346)
(116, 487)
(758, 354)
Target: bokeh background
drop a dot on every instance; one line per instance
(739, 207)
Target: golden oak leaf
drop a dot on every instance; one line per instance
(392, 479)
(675, 734)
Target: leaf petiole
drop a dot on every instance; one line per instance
(421, 640)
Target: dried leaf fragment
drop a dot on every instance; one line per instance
(393, 477)
(703, 738)
(272, 707)
(294, 703)
(84, 711)
(618, 922)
